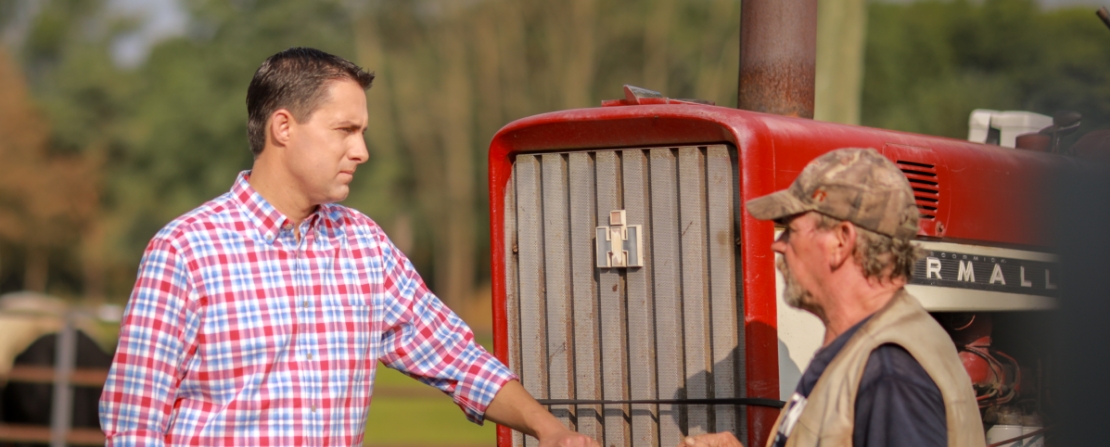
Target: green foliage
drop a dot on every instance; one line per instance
(170, 133)
(930, 63)
(62, 177)
(186, 140)
(452, 73)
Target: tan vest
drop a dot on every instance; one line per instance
(828, 418)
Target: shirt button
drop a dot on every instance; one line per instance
(310, 356)
(287, 227)
(305, 303)
(313, 408)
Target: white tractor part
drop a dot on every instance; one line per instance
(1003, 127)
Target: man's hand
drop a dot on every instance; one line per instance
(567, 438)
(515, 408)
(711, 440)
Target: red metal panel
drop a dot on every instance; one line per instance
(761, 358)
(991, 194)
(926, 172)
(500, 168)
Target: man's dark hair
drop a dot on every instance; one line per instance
(294, 79)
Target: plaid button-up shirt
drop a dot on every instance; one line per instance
(238, 334)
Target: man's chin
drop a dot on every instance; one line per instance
(793, 300)
(338, 194)
(794, 295)
(800, 303)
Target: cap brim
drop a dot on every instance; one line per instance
(776, 206)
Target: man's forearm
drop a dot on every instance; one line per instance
(515, 408)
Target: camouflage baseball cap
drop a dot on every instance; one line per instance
(857, 185)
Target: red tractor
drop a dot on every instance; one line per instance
(635, 296)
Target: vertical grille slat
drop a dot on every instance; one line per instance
(926, 186)
(641, 305)
(723, 304)
(512, 301)
(556, 220)
(612, 307)
(587, 362)
(669, 329)
(666, 259)
(695, 284)
(530, 261)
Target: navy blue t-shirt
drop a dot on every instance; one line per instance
(897, 404)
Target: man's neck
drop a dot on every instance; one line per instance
(276, 186)
(847, 306)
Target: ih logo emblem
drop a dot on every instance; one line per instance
(619, 244)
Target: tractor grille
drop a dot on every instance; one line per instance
(671, 329)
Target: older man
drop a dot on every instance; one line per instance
(887, 374)
(259, 317)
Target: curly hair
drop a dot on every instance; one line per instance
(876, 253)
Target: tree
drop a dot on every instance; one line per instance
(449, 77)
(46, 199)
(166, 135)
(928, 64)
(170, 133)
(85, 97)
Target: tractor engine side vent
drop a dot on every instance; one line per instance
(926, 187)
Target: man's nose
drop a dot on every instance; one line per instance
(779, 246)
(359, 153)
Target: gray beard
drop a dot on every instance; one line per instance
(793, 293)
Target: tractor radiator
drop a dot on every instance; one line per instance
(669, 329)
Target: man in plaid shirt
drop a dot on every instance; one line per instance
(258, 318)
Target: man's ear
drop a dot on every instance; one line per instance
(844, 243)
(280, 127)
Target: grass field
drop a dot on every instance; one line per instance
(405, 412)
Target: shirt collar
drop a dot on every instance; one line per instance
(262, 215)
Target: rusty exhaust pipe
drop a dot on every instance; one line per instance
(778, 56)
(1104, 15)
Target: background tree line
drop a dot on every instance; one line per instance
(95, 157)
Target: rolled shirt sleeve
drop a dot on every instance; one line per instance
(155, 339)
(429, 342)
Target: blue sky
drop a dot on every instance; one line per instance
(159, 18)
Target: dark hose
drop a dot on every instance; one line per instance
(755, 401)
